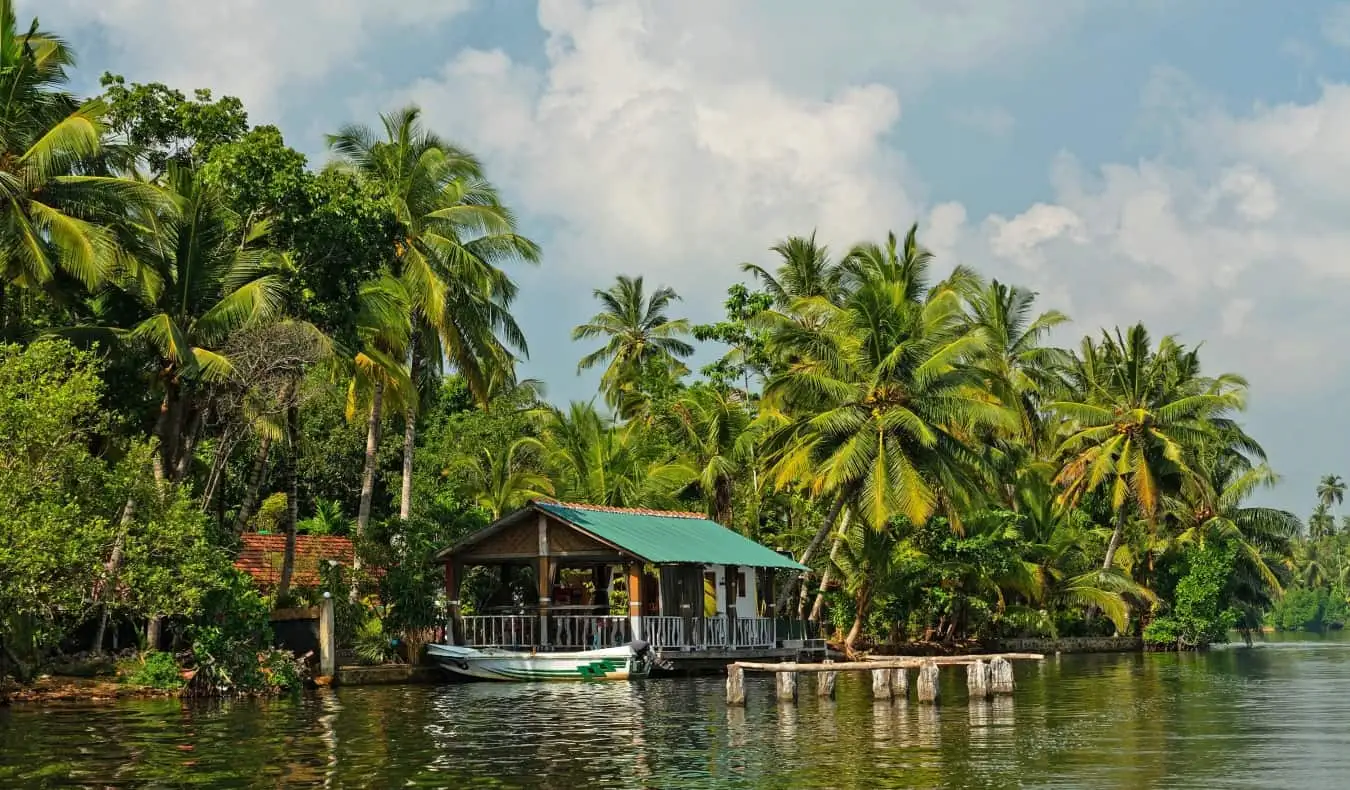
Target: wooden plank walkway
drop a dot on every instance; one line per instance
(985, 675)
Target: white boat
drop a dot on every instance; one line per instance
(631, 661)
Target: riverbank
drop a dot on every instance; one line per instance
(1084, 644)
(68, 688)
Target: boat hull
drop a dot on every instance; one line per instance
(620, 663)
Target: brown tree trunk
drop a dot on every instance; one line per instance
(111, 569)
(724, 512)
(159, 462)
(809, 554)
(409, 444)
(818, 607)
(372, 451)
(255, 481)
(1115, 541)
(292, 501)
(862, 602)
(153, 627)
(189, 442)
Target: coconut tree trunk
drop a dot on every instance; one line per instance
(372, 450)
(255, 481)
(189, 442)
(810, 554)
(862, 602)
(111, 569)
(818, 607)
(292, 501)
(722, 504)
(1115, 541)
(159, 461)
(409, 443)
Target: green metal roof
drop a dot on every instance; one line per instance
(662, 538)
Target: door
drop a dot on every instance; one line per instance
(709, 594)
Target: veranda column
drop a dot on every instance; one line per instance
(545, 574)
(454, 629)
(635, 598)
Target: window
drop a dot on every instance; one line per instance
(741, 590)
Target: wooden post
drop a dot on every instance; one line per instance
(635, 598)
(454, 629)
(825, 685)
(1001, 676)
(977, 680)
(545, 582)
(900, 683)
(881, 684)
(787, 686)
(327, 638)
(735, 685)
(928, 683)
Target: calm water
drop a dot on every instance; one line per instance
(1277, 715)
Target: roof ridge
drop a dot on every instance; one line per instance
(637, 511)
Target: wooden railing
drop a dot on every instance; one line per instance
(501, 630)
(663, 632)
(589, 632)
(754, 632)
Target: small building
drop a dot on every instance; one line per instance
(576, 577)
(261, 556)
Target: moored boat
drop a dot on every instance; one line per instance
(628, 662)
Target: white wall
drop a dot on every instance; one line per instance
(745, 604)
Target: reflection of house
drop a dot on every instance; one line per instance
(568, 576)
(261, 556)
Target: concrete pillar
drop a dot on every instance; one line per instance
(1001, 676)
(327, 637)
(900, 683)
(635, 599)
(977, 680)
(825, 684)
(928, 683)
(787, 686)
(735, 685)
(881, 684)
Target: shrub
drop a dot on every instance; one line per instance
(156, 670)
(1201, 612)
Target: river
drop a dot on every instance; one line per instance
(1276, 715)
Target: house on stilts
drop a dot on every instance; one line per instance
(555, 576)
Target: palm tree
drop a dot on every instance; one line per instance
(1020, 371)
(195, 275)
(1212, 506)
(594, 461)
(384, 325)
(1137, 419)
(717, 437)
(877, 397)
(1321, 523)
(54, 203)
(640, 336)
(805, 271)
(866, 563)
(456, 236)
(1331, 491)
(503, 481)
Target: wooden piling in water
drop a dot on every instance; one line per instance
(825, 685)
(787, 686)
(928, 683)
(900, 683)
(881, 684)
(735, 685)
(977, 680)
(1001, 676)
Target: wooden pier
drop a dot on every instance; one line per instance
(986, 675)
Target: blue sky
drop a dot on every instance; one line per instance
(1181, 162)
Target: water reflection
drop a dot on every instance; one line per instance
(1272, 716)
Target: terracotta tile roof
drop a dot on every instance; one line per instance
(261, 555)
(639, 511)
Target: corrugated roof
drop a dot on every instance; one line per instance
(669, 537)
(261, 556)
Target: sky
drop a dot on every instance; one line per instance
(1181, 162)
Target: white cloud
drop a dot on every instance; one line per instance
(253, 49)
(649, 161)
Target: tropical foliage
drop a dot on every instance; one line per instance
(205, 335)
